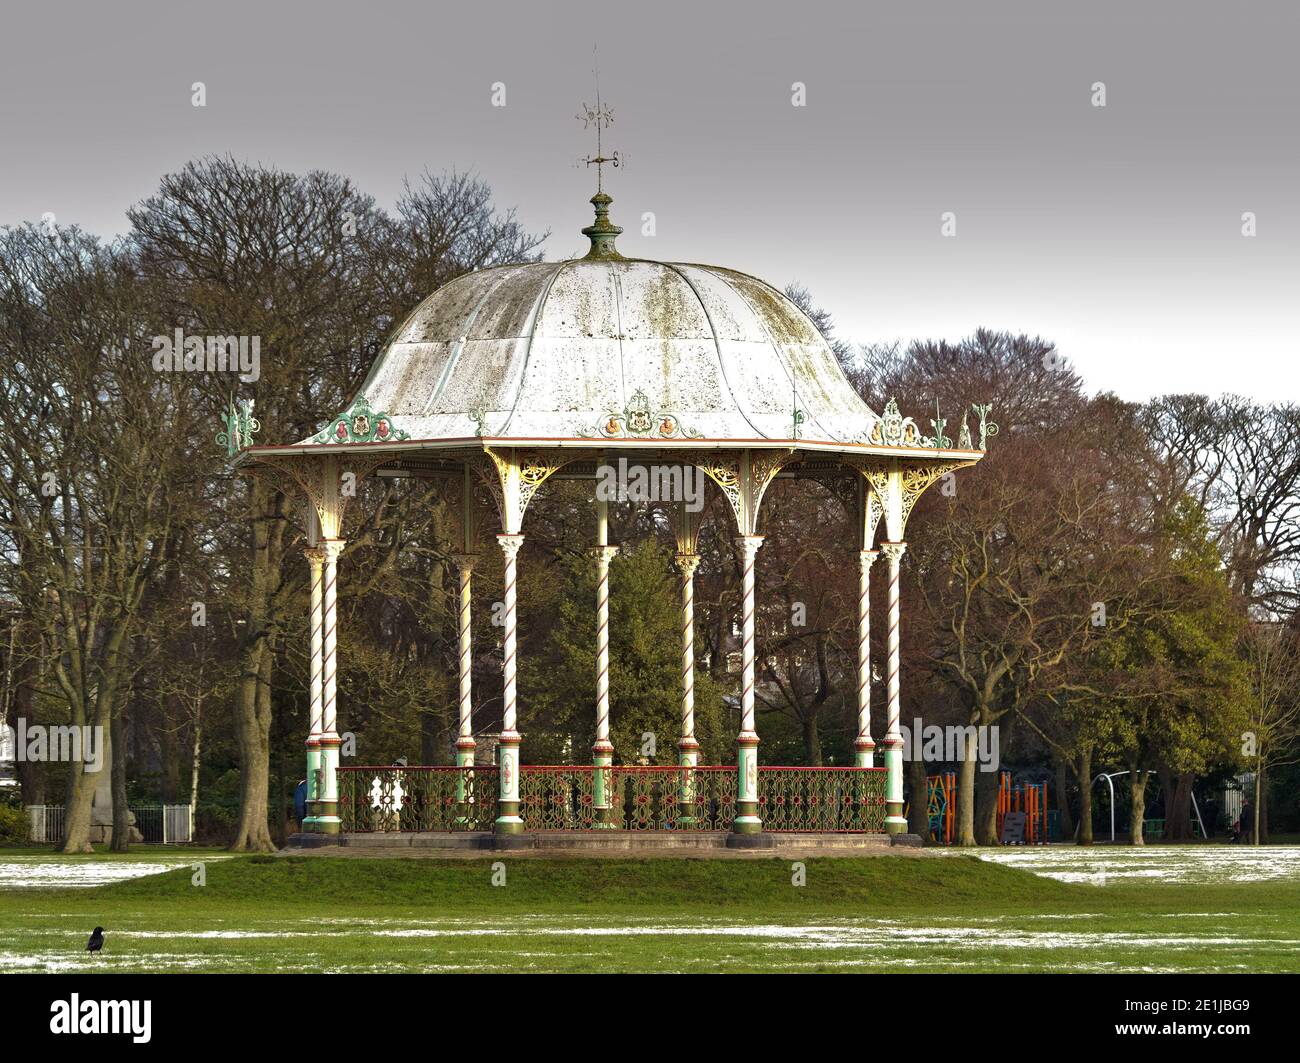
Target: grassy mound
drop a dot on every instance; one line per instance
(870, 885)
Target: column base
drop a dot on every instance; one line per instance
(758, 840)
(894, 821)
(330, 825)
(747, 820)
(508, 820)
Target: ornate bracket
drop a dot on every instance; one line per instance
(514, 481)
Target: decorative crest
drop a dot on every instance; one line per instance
(963, 437)
(240, 424)
(893, 429)
(640, 420)
(360, 424)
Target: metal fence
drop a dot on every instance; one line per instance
(559, 798)
(157, 824)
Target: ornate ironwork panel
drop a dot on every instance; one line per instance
(841, 800)
(436, 798)
(377, 799)
(557, 798)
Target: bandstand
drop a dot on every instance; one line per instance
(506, 377)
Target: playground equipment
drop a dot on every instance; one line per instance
(1110, 778)
(942, 805)
(1029, 798)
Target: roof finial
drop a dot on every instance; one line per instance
(603, 232)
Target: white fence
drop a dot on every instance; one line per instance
(159, 824)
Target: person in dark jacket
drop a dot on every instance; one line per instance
(300, 802)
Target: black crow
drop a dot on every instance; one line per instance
(96, 941)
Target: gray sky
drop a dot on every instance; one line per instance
(1115, 231)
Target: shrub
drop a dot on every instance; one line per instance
(14, 825)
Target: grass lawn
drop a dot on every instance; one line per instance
(941, 912)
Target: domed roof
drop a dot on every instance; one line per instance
(612, 348)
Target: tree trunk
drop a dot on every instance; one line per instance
(812, 743)
(1259, 794)
(1138, 794)
(1178, 808)
(253, 695)
(966, 798)
(253, 719)
(918, 811)
(121, 840)
(1063, 798)
(81, 788)
(1085, 796)
(194, 759)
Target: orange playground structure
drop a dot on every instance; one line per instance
(1029, 798)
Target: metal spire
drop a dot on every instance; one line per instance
(603, 232)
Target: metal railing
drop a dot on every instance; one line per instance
(434, 798)
(157, 824)
(562, 798)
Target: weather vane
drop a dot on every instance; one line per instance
(602, 117)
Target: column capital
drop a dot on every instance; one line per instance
(510, 544)
(315, 556)
(687, 563)
(332, 549)
(893, 551)
(465, 561)
(602, 554)
(866, 558)
(749, 545)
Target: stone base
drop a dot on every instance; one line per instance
(912, 841)
(313, 840)
(507, 842)
(615, 841)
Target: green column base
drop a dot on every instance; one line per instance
(747, 821)
(327, 819)
(894, 821)
(508, 821)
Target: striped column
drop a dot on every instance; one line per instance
(688, 748)
(465, 733)
(893, 744)
(603, 749)
(328, 795)
(747, 819)
(316, 558)
(508, 819)
(863, 746)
